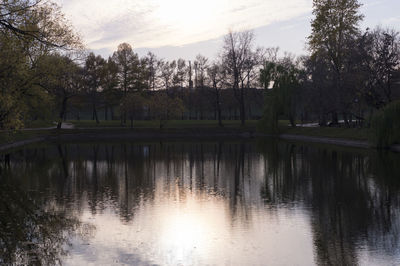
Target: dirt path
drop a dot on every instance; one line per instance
(63, 126)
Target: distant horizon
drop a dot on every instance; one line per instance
(106, 25)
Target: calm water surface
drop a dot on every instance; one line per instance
(209, 203)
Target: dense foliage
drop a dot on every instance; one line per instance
(385, 129)
(29, 31)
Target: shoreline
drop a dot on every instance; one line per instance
(327, 140)
(21, 143)
(182, 133)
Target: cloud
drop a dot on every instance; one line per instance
(155, 23)
(393, 21)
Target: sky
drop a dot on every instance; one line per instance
(184, 28)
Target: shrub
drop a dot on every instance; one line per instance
(385, 126)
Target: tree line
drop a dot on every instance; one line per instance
(45, 74)
(128, 87)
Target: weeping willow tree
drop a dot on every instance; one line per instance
(284, 77)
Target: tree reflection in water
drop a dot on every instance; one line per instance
(32, 231)
(352, 196)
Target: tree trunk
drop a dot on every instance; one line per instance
(322, 120)
(346, 121)
(250, 113)
(218, 108)
(335, 119)
(95, 117)
(62, 112)
(242, 108)
(292, 121)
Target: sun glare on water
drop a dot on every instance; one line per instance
(189, 228)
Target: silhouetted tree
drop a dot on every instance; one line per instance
(334, 28)
(236, 55)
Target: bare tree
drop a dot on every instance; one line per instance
(166, 72)
(110, 87)
(128, 67)
(237, 56)
(217, 76)
(201, 64)
(386, 55)
(180, 74)
(127, 62)
(151, 67)
(94, 71)
(190, 75)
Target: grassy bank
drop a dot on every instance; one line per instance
(176, 128)
(155, 124)
(140, 129)
(40, 124)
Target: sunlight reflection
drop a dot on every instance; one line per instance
(183, 233)
(195, 228)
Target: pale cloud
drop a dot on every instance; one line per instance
(393, 21)
(155, 23)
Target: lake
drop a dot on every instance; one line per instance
(221, 202)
